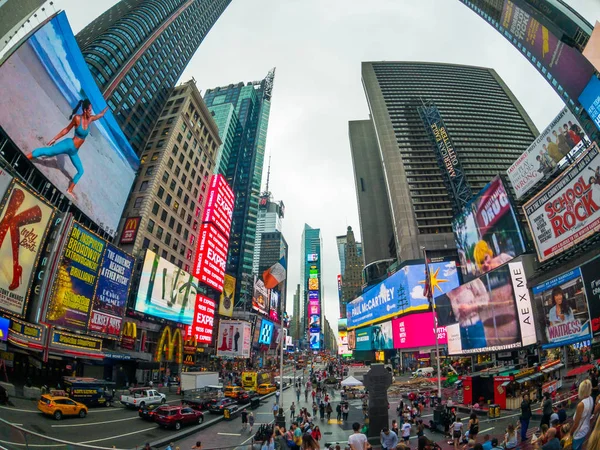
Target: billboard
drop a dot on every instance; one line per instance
(591, 282)
(312, 257)
(314, 308)
(274, 300)
(402, 292)
(567, 211)
(351, 339)
(592, 48)
(563, 317)
(112, 290)
(482, 315)
(416, 330)
(313, 284)
(204, 316)
(219, 205)
(78, 147)
(382, 336)
(315, 321)
(260, 298)
(487, 233)
(130, 229)
(73, 291)
(227, 296)
(234, 339)
(363, 339)
(343, 343)
(4, 325)
(165, 290)
(211, 256)
(342, 324)
(339, 284)
(313, 295)
(315, 340)
(570, 68)
(265, 334)
(24, 223)
(590, 100)
(564, 136)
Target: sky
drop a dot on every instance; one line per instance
(317, 47)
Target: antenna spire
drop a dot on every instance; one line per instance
(268, 175)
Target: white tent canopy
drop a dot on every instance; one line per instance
(351, 381)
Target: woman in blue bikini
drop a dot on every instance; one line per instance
(70, 146)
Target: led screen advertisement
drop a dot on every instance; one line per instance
(234, 339)
(590, 100)
(560, 142)
(211, 256)
(591, 281)
(86, 157)
(402, 292)
(570, 68)
(260, 298)
(73, 291)
(166, 291)
(315, 321)
(219, 204)
(314, 308)
(24, 223)
(112, 289)
(487, 233)
(351, 339)
(363, 339)
(416, 331)
(315, 340)
(567, 211)
(343, 342)
(274, 305)
(204, 316)
(227, 296)
(313, 284)
(482, 315)
(563, 317)
(265, 334)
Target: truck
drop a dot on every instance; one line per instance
(198, 380)
(89, 391)
(202, 398)
(251, 380)
(139, 398)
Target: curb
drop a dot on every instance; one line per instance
(191, 430)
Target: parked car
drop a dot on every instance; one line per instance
(246, 397)
(58, 407)
(267, 388)
(232, 391)
(143, 397)
(147, 412)
(177, 416)
(217, 406)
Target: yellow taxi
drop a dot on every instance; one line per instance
(232, 391)
(264, 389)
(58, 407)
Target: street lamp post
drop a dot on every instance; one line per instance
(431, 300)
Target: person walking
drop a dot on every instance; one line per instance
(457, 427)
(251, 420)
(389, 439)
(357, 440)
(328, 411)
(275, 408)
(406, 426)
(546, 409)
(473, 427)
(322, 410)
(345, 411)
(277, 394)
(338, 410)
(315, 408)
(198, 446)
(583, 414)
(244, 415)
(525, 416)
(292, 410)
(306, 395)
(298, 392)
(309, 443)
(316, 433)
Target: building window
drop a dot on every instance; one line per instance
(173, 185)
(179, 228)
(172, 259)
(154, 156)
(150, 226)
(161, 192)
(171, 222)
(150, 170)
(143, 186)
(164, 254)
(146, 243)
(159, 232)
(179, 192)
(155, 209)
(164, 216)
(168, 238)
(168, 200)
(165, 177)
(170, 163)
(138, 202)
(176, 206)
(175, 244)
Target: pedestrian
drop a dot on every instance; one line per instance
(315, 409)
(292, 410)
(338, 410)
(395, 428)
(328, 410)
(583, 413)
(510, 438)
(345, 411)
(251, 420)
(309, 443)
(306, 395)
(322, 410)
(198, 446)
(457, 427)
(546, 409)
(244, 419)
(473, 426)
(298, 392)
(268, 443)
(389, 439)
(357, 440)
(277, 394)
(275, 408)
(316, 433)
(406, 432)
(525, 416)
(171, 446)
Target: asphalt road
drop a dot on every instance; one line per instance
(102, 428)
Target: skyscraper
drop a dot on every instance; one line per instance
(164, 210)
(243, 170)
(486, 123)
(270, 215)
(296, 316)
(137, 50)
(351, 265)
(310, 283)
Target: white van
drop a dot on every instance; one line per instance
(423, 372)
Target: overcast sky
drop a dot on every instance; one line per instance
(317, 47)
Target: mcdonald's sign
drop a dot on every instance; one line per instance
(189, 345)
(130, 230)
(170, 346)
(189, 360)
(129, 335)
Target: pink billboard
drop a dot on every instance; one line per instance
(314, 307)
(416, 330)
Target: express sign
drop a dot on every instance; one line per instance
(219, 205)
(211, 256)
(204, 315)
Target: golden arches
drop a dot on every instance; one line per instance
(170, 346)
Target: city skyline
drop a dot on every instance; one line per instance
(347, 37)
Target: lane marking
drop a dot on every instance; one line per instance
(117, 436)
(21, 410)
(229, 434)
(487, 429)
(93, 423)
(33, 445)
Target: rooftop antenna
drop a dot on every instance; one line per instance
(268, 175)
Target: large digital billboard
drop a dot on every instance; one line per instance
(204, 316)
(591, 281)
(53, 110)
(343, 343)
(567, 211)
(416, 331)
(401, 293)
(563, 317)
(234, 339)
(351, 339)
(487, 232)
(24, 223)
(314, 308)
(211, 256)
(313, 284)
(73, 290)
(363, 339)
(227, 296)
(112, 289)
(564, 136)
(219, 204)
(166, 291)
(265, 335)
(590, 99)
(260, 299)
(315, 340)
(488, 314)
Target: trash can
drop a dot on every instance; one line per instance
(497, 413)
(227, 414)
(492, 411)
(255, 403)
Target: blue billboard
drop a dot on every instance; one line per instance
(364, 339)
(315, 340)
(375, 337)
(401, 293)
(590, 100)
(266, 332)
(4, 323)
